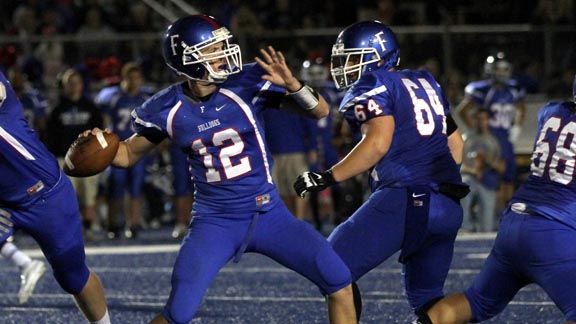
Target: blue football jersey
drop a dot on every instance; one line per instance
(118, 105)
(279, 123)
(325, 126)
(500, 102)
(35, 105)
(222, 136)
(550, 190)
(26, 166)
(419, 153)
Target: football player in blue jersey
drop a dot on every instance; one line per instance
(411, 147)
(213, 117)
(38, 198)
(537, 234)
(117, 102)
(504, 99)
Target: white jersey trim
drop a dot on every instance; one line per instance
(248, 112)
(142, 122)
(265, 87)
(170, 119)
(363, 96)
(16, 145)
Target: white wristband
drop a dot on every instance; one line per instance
(306, 97)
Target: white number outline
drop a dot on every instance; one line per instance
(373, 107)
(421, 106)
(502, 115)
(561, 152)
(225, 155)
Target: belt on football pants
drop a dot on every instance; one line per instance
(246, 240)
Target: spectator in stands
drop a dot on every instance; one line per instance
(72, 114)
(24, 21)
(117, 103)
(482, 169)
(93, 27)
(244, 21)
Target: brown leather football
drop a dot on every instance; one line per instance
(91, 154)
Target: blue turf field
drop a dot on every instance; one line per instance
(136, 276)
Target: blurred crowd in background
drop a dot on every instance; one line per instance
(52, 48)
(44, 37)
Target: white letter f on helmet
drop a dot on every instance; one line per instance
(173, 43)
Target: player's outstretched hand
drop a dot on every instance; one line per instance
(274, 63)
(313, 181)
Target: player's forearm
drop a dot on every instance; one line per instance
(463, 111)
(374, 145)
(122, 159)
(363, 157)
(456, 145)
(322, 109)
(521, 114)
(131, 151)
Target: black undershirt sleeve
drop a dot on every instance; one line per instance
(451, 125)
(152, 135)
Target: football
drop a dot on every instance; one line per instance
(91, 154)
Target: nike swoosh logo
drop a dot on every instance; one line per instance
(220, 108)
(419, 195)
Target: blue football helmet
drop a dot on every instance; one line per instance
(314, 72)
(359, 48)
(186, 46)
(498, 68)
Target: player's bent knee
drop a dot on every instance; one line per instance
(70, 271)
(334, 273)
(483, 310)
(343, 293)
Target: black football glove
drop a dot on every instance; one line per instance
(313, 181)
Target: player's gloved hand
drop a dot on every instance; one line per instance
(514, 133)
(313, 181)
